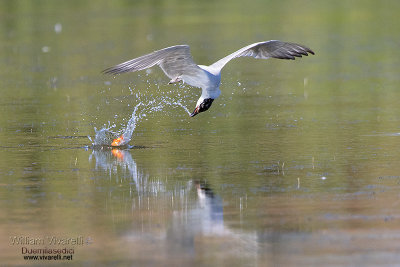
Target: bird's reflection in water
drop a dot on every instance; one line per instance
(204, 218)
(194, 211)
(210, 209)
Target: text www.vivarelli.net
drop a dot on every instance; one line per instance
(48, 257)
(65, 254)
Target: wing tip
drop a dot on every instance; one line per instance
(114, 70)
(304, 52)
(108, 72)
(308, 50)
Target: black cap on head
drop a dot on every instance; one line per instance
(205, 105)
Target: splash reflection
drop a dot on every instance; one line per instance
(112, 160)
(176, 217)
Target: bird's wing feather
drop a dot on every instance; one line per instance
(175, 61)
(267, 49)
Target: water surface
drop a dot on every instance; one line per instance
(297, 163)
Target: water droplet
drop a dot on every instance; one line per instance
(45, 49)
(58, 28)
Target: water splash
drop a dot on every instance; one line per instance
(103, 136)
(130, 126)
(179, 104)
(107, 136)
(154, 106)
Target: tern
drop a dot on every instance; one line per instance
(177, 63)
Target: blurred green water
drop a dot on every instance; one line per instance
(301, 155)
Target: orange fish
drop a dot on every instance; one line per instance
(117, 141)
(117, 153)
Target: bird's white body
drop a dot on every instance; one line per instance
(210, 87)
(177, 64)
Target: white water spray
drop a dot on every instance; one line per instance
(106, 135)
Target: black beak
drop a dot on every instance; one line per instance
(195, 112)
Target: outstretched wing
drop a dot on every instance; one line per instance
(267, 49)
(175, 61)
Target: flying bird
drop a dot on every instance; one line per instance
(178, 65)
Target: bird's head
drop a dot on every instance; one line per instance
(203, 105)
